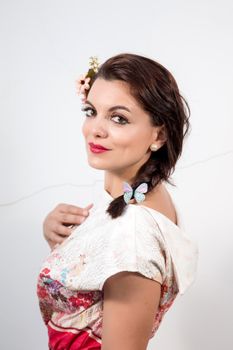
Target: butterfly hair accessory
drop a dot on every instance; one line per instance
(138, 193)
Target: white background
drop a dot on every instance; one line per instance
(45, 46)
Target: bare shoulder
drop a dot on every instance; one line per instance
(160, 200)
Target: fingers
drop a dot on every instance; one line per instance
(59, 229)
(55, 238)
(71, 215)
(59, 223)
(71, 209)
(72, 219)
(89, 206)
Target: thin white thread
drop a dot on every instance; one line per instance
(206, 159)
(7, 204)
(42, 190)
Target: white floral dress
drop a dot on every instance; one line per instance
(71, 280)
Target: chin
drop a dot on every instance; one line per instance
(96, 165)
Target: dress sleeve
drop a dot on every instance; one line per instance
(135, 246)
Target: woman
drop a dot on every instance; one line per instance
(110, 282)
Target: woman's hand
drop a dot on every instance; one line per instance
(59, 223)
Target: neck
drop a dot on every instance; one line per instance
(113, 180)
(113, 183)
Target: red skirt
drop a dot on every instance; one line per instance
(72, 339)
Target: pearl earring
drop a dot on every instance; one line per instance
(153, 147)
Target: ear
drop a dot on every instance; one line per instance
(160, 135)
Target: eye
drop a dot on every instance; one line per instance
(123, 119)
(88, 111)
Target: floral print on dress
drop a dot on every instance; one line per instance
(71, 280)
(53, 296)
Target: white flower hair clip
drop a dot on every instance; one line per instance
(83, 82)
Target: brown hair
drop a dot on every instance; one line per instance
(156, 90)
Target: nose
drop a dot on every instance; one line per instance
(98, 127)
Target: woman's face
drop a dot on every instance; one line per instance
(114, 120)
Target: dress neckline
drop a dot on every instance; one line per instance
(106, 197)
(183, 250)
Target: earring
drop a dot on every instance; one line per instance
(153, 147)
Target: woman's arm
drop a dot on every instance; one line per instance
(130, 304)
(57, 224)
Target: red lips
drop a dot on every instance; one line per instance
(95, 146)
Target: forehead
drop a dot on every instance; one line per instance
(109, 92)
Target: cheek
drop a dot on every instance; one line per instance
(119, 138)
(131, 139)
(84, 129)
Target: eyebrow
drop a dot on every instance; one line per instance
(112, 108)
